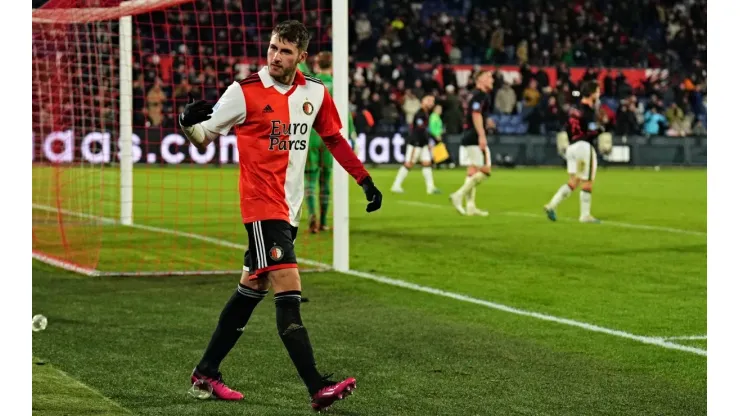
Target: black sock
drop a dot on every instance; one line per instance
(230, 326)
(295, 338)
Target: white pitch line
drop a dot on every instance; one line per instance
(660, 342)
(533, 215)
(687, 338)
(92, 389)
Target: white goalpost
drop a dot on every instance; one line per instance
(340, 65)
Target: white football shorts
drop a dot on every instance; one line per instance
(581, 158)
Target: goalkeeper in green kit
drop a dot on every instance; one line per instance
(320, 161)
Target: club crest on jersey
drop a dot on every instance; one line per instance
(276, 253)
(308, 108)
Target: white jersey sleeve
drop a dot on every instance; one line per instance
(230, 110)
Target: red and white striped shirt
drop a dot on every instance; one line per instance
(272, 124)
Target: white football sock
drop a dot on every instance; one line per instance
(402, 172)
(471, 197)
(468, 179)
(559, 196)
(585, 204)
(428, 178)
(472, 182)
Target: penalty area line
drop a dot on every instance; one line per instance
(655, 341)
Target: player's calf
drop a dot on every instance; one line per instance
(586, 203)
(426, 171)
(403, 171)
(561, 194)
(287, 285)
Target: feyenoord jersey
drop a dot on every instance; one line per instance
(272, 124)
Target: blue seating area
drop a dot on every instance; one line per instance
(517, 124)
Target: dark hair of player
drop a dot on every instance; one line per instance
(293, 31)
(589, 88)
(324, 60)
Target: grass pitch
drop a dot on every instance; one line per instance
(127, 345)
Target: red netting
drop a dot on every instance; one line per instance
(185, 204)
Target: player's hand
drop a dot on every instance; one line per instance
(195, 112)
(372, 193)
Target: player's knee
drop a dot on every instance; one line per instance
(472, 170)
(426, 164)
(254, 284)
(486, 170)
(283, 280)
(408, 165)
(587, 186)
(573, 182)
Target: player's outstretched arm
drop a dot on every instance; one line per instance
(203, 123)
(327, 125)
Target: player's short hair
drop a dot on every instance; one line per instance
(324, 60)
(479, 73)
(293, 31)
(588, 88)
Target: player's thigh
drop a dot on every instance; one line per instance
(413, 153)
(271, 247)
(578, 159)
(593, 164)
(479, 158)
(425, 156)
(284, 280)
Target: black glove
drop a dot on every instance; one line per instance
(372, 194)
(195, 112)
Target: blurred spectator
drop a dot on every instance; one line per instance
(411, 105)
(531, 94)
(699, 129)
(400, 50)
(452, 111)
(675, 117)
(655, 121)
(505, 101)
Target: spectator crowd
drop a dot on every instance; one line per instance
(401, 50)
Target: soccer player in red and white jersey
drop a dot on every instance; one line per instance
(272, 113)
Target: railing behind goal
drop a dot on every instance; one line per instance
(117, 190)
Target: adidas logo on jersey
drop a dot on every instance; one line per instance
(267, 109)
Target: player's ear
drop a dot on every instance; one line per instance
(302, 56)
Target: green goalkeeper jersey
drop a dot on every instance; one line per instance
(315, 140)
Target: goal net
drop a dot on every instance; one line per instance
(117, 189)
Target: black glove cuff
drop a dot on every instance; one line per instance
(367, 183)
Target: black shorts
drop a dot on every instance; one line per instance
(469, 138)
(271, 247)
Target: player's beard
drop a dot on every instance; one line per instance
(283, 75)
